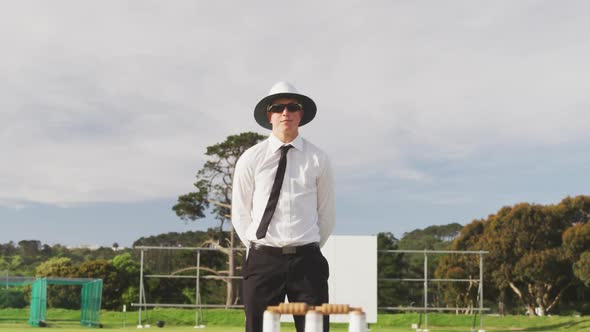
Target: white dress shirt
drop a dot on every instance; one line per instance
(305, 211)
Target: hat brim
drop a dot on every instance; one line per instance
(309, 108)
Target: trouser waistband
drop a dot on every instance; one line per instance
(288, 250)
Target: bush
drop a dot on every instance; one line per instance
(12, 298)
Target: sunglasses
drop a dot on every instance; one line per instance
(278, 108)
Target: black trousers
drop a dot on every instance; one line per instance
(269, 276)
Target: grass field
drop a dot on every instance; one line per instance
(559, 327)
(14, 320)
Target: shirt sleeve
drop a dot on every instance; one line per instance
(326, 202)
(242, 194)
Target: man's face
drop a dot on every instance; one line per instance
(285, 120)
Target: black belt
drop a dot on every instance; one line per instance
(289, 250)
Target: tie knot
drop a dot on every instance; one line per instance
(285, 148)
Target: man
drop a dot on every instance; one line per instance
(283, 210)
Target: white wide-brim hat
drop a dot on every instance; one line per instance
(284, 90)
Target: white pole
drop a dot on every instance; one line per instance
(140, 288)
(271, 322)
(197, 292)
(357, 321)
(425, 329)
(481, 293)
(314, 321)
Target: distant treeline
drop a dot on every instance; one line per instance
(538, 262)
(118, 267)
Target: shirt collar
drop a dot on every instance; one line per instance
(274, 143)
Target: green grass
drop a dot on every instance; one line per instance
(216, 320)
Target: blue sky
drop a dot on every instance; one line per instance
(432, 112)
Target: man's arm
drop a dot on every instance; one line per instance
(326, 202)
(242, 193)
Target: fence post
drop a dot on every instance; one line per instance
(481, 291)
(425, 289)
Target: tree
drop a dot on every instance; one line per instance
(460, 294)
(103, 269)
(437, 237)
(8, 249)
(576, 209)
(576, 239)
(531, 253)
(582, 268)
(128, 274)
(179, 262)
(214, 186)
(524, 243)
(12, 298)
(391, 266)
(29, 250)
(59, 296)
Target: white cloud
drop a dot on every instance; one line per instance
(116, 101)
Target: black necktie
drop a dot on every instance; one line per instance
(274, 194)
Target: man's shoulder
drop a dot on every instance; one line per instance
(254, 151)
(312, 148)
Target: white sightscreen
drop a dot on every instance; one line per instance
(353, 274)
